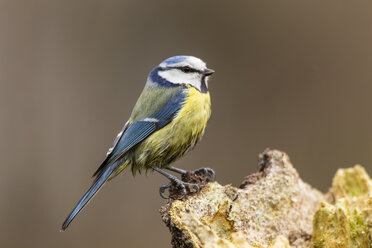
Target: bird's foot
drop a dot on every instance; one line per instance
(200, 176)
(186, 188)
(192, 181)
(207, 172)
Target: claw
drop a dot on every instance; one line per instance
(192, 185)
(163, 188)
(183, 192)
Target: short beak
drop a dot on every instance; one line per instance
(208, 72)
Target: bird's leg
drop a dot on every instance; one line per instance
(202, 171)
(175, 181)
(177, 170)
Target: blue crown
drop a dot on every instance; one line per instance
(175, 59)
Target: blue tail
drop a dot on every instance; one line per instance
(97, 184)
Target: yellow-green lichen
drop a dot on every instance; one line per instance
(347, 223)
(351, 182)
(338, 226)
(359, 233)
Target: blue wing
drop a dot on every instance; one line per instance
(132, 134)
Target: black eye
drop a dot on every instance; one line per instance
(186, 69)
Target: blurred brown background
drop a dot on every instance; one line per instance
(292, 75)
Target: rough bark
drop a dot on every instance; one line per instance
(273, 208)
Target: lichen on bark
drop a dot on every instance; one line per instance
(347, 221)
(273, 208)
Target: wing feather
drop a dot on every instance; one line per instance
(134, 133)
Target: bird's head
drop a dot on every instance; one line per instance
(182, 70)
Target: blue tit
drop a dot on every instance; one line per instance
(167, 121)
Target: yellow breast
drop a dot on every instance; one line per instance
(180, 135)
(195, 113)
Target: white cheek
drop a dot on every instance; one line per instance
(177, 77)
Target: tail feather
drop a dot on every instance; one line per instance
(97, 184)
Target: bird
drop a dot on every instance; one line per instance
(167, 121)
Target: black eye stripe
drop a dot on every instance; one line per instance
(187, 69)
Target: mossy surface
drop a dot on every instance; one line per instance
(351, 182)
(347, 223)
